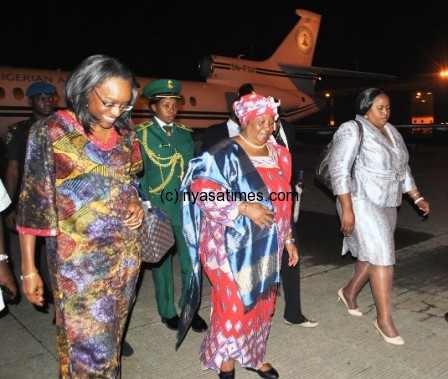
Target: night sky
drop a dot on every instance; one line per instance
(167, 38)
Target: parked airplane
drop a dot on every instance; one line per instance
(287, 75)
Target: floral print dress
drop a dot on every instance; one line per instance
(75, 192)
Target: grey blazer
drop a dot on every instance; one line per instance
(381, 173)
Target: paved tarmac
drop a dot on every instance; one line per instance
(342, 346)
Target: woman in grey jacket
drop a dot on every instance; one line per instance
(367, 199)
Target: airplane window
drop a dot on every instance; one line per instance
(18, 93)
(2, 93)
(193, 101)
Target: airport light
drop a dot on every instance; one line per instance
(444, 74)
(331, 98)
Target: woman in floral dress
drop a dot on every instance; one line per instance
(77, 191)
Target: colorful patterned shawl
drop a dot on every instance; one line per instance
(252, 252)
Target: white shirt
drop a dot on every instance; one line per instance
(283, 135)
(233, 128)
(162, 124)
(4, 198)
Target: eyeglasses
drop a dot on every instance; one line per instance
(109, 105)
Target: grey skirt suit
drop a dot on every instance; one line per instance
(380, 176)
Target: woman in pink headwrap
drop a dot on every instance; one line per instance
(237, 227)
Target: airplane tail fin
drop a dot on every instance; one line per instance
(298, 47)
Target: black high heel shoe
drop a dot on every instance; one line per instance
(227, 374)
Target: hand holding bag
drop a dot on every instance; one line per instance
(156, 231)
(322, 170)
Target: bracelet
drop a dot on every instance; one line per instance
(3, 257)
(23, 277)
(419, 199)
(245, 208)
(292, 240)
(134, 193)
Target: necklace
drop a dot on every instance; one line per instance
(251, 144)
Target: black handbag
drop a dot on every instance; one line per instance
(322, 170)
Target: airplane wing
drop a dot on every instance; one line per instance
(313, 72)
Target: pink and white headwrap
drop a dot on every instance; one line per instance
(250, 106)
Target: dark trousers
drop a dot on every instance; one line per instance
(291, 289)
(163, 276)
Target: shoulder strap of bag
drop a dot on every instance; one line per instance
(361, 136)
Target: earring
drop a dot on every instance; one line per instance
(365, 116)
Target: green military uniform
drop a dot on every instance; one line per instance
(165, 158)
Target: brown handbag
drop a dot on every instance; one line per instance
(156, 234)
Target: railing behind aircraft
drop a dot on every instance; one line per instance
(435, 133)
(320, 134)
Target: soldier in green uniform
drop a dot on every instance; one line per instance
(167, 147)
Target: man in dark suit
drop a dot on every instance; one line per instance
(285, 135)
(218, 132)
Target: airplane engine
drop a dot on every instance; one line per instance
(205, 66)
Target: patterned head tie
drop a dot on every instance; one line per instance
(252, 105)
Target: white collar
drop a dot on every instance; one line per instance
(233, 128)
(161, 123)
(283, 134)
